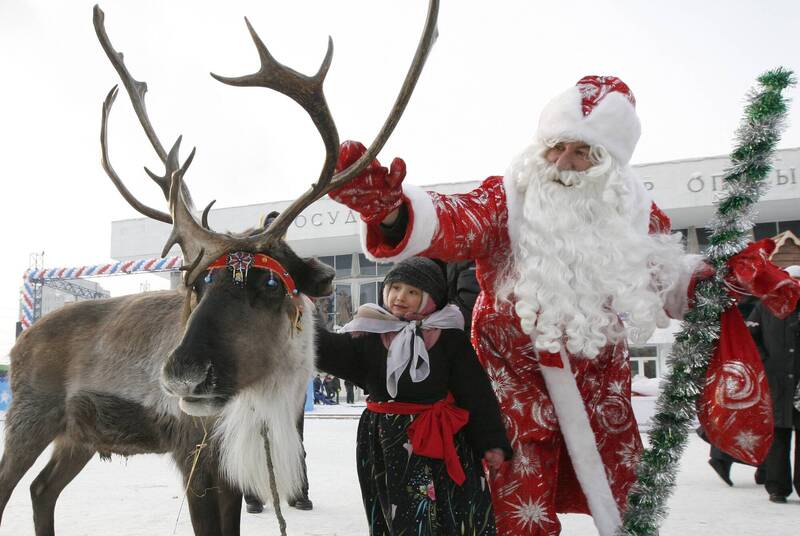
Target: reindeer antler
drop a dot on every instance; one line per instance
(109, 169)
(307, 92)
(136, 91)
(200, 245)
(327, 182)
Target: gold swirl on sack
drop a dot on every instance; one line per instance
(615, 414)
(738, 387)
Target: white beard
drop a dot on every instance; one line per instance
(583, 274)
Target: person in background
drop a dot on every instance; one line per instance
(317, 389)
(778, 342)
(463, 288)
(336, 385)
(327, 384)
(350, 391)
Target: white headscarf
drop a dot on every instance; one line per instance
(408, 346)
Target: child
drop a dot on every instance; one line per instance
(431, 413)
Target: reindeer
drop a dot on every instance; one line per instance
(200, 372)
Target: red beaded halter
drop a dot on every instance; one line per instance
(240, 262)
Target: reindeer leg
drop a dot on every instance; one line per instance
(66, 462)
(203, 500)
(230, 508)
(202, 493)
(30, 427)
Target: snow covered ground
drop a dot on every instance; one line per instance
(141, 496)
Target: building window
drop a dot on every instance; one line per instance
(644, 360)
(765, 230)
(342, 305)
(368, 268)
(683, 233)
(326, 311)
(370, 292)
(344, 265)
(703, 235)
(384, 267)
(793, 226)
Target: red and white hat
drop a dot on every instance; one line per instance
(598, 110)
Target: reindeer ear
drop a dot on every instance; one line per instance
(314, 278)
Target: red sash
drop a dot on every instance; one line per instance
(431, 432)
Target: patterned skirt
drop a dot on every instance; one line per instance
(409, 495)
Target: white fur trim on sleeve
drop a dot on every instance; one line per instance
(423, 226)
(582, 446)
(676, 300)
(514, 201)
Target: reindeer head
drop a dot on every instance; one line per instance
(245, 290)
(246, 312)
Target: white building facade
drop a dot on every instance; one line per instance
(685, 189)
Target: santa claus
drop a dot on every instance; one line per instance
(573, 260)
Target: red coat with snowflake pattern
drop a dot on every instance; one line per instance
(540, 479)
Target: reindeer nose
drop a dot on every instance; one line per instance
(179, 378)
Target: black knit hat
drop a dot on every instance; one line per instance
(422, 273)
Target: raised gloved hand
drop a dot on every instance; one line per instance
(750, 272)
(374, 193)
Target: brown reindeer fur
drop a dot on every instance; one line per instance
(91, 377)
(84, 377)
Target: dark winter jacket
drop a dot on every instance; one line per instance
(454, 368)
(778, 343)
(463, 288)
(329, 387)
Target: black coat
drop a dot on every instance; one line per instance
(777, 342)
(454, 368)
(463, 288)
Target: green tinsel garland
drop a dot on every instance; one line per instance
(745, 180)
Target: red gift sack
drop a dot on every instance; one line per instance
(736, 408)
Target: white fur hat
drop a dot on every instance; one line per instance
(598, 110)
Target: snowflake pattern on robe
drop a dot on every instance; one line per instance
(529, 514)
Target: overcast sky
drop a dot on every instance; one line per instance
(494, 66)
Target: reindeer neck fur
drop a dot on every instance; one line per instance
(271, 404)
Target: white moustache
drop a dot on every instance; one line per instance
(596, 176)
(566, 177)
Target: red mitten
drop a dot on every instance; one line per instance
(751, 272)
(374, 193)
(659, 221)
